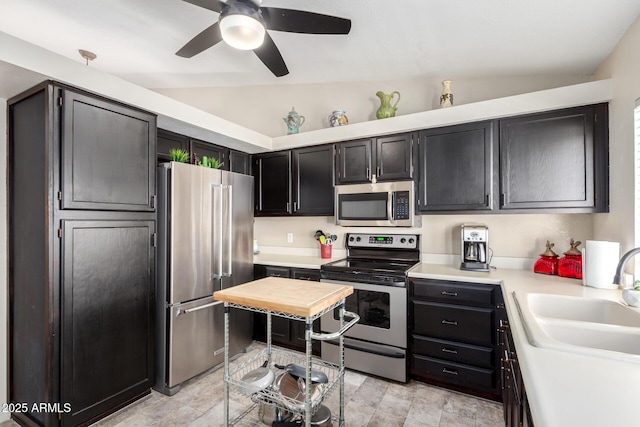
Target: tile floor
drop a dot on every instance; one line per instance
(369, 402)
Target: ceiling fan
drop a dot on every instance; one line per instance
(242, 24)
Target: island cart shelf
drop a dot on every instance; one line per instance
(298, 300)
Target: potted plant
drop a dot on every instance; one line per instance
(179, 155)
(210, 162)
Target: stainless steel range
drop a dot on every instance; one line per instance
(376, 266)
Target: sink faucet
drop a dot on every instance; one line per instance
(617, 279)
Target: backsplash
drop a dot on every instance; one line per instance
(520, 237)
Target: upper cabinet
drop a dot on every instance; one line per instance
(555, 160)
(388, 158)
(235, 161)
(295, 182)
(457, 166)
(108, 153)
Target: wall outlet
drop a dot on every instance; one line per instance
(289, 237)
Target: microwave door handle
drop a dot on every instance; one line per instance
(390, 206)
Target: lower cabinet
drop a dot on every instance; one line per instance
(514, 396)
(453, 335)
(285, 332)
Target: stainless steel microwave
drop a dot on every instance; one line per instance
(383, 204)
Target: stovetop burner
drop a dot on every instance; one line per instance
(382, 259)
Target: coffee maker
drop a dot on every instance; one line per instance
(475, 244)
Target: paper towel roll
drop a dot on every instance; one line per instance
(599, 262)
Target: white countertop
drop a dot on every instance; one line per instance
(564, 389)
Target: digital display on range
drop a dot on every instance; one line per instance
(381, 239)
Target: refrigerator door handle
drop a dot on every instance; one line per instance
(229, 230)
(201, 307)
(216, 219)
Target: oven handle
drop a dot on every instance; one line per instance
(394, 355)
(323, 337)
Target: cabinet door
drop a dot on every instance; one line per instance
(239, 162)
(456, 167)
(273, 183)
(107, 324)
(200, 149)
(108, 155)
(168, 140)
(313, 181)
(354, 161)
(547, 160)
(394, 157)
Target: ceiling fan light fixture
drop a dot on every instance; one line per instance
(242, 27)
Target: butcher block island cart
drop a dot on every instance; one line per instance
(298, 300)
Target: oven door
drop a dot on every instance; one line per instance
(382, 310)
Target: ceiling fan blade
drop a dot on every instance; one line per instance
(214, 5)
(270, 56)
(203, 41)
(300, 21)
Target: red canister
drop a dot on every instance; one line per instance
(548, 262)
(570, 265)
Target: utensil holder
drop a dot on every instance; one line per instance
(325, 251)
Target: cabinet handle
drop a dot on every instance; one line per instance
(449, 322)
(303, 278)
(275, 275)
(449, 350)
(295, 206)
(449, 371)
(378, 171)
(449, 294)
(502, 199)
(368, 173)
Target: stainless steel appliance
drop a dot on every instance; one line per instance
(384, 204)
(205, 234)
(475, 244)
(376, 266)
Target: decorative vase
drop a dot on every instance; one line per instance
(570, 265)
(548, 262)
(338, 118)
(293, 121)
(387, 110)
(446, 99)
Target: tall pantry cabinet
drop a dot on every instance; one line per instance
(81, 255)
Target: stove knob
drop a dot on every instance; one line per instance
(403, 240)
(411, 240)
(358, 239)
(351, 239)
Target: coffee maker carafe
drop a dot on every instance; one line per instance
(475, 245)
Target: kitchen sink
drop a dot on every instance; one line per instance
(583, 309)
(591, 326)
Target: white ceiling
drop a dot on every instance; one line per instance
(390, 40)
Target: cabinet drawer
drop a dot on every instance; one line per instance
(277, 271)
(475, 294)
(452, 373)
(470, 325)
(305, 274)
(453, 351)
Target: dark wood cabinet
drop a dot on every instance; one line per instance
(285, 332)
(390, 158)
(272, 180)
(453, 327)
(81, 273)
(239, 162)
(514, 396)
(168, 140)
(457, 167)
(107, 318)
(199, 149)
(555, 160)
(108, 155)
(313, 192)
(294, 182)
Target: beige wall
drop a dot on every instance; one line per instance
(262, 108)
(623, 67)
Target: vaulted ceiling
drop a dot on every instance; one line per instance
(392, 40)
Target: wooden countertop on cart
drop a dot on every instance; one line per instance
(291, 296)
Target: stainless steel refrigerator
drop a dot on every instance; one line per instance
(205, 236)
